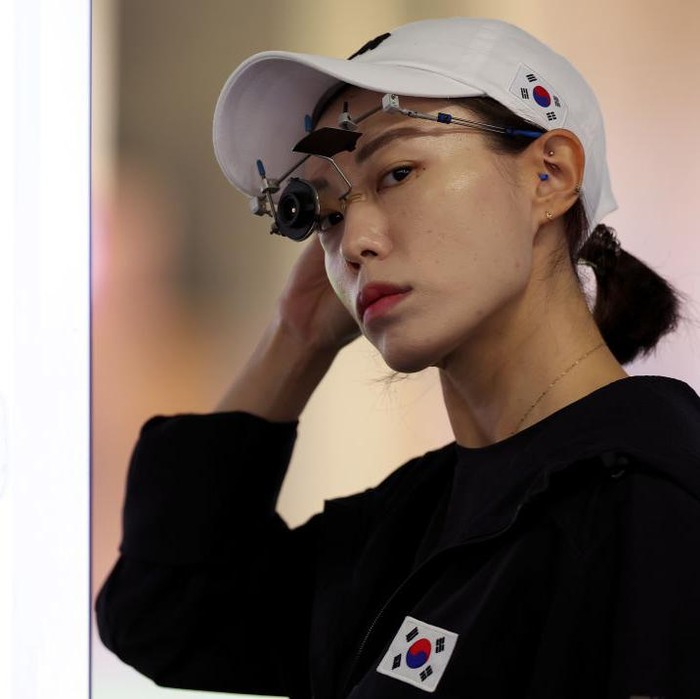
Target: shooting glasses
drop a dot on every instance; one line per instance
(297, 212)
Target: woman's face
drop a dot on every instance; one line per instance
(435, 244)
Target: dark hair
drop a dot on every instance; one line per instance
(634, 307)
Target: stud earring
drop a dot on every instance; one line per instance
(577, 189)
(551, 153)
(549, 215)
(543, 176)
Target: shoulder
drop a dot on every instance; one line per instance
(654, 504)
(650, 424)
(628, 502)
(660, 413)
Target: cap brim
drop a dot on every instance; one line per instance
(260, 112)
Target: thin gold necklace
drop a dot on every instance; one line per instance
(559, 378)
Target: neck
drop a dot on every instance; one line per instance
(499, 383)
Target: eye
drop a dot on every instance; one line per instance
(328, 221)
(395, 176)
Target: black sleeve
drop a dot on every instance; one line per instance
(212, 590)
(656, 642)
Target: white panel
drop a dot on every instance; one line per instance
(44, 506)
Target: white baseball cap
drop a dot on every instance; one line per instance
(260, 114)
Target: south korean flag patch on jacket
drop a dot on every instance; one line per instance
(419, 654)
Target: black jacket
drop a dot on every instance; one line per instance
(561, 563)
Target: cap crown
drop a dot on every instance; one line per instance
(260, 113)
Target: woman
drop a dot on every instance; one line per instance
(452, 174)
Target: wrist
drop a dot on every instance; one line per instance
(280, 377)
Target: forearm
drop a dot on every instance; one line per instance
(279, 378)
(200, 624)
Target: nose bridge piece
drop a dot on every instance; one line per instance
(352, 197)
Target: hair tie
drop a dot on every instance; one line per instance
(601, 250)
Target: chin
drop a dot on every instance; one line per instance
(408, 360)
(409, 353)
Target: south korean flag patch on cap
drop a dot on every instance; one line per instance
(419, 654)
(541, 97)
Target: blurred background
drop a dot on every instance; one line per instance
(184, 279)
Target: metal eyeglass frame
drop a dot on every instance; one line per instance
(297, 213)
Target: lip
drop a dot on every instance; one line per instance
(377, 298)
(381, 307)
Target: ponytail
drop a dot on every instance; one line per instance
(634, 307)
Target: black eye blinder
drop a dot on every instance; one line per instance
(299, 209)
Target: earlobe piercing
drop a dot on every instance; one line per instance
(543, 176)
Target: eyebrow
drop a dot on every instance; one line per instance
(384, 139)
(371, 147)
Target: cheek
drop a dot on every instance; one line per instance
(474, 232)
(332, 270)
(492, 209)
(337, 277)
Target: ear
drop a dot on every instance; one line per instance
(554, 165)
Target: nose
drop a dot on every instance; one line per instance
(365, 232)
